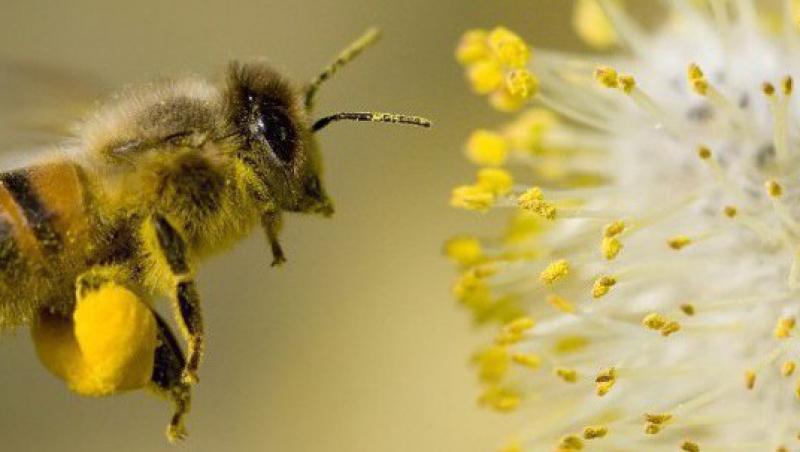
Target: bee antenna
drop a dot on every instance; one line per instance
(347, 55)
(369, 116)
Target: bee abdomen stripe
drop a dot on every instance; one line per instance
(37, 216)
(9, 252)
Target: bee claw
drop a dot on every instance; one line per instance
(176, 433)
(277, 261)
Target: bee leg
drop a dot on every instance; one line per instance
(167, 379)
(186, 301)
(272, 222)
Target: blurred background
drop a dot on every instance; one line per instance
(356, 344)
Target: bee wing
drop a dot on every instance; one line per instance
(40, 102)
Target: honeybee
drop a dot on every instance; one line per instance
(154, 181)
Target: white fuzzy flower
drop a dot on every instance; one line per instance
(649, 281)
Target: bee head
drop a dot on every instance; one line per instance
(272, 118)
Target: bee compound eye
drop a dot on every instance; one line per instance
(279, 132)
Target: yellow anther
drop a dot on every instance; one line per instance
(520, 325)
(533, 200)
(512, 446)
(614, 229)
(485, 76)
(689, 446)
(652, 429)
(570, 443)
(700, 86)
(511, 51)
(768, 89)
(611, 247)
(493, 363)
(603, 388)
(749, 379)
(606, 375)
(487, 148)
(694, 72)
(679, 242)
(594, 431)
(464, 250)
(788, 85)
(522, 84)
(671, 327)
(500, 399)
(697, 80)
(654, 321)
(570, 344)
(773, 188)
(688, 309)
(603, 285)
(528, 360)
(554, 271)
(530, 128)
(784, 327)
(627, 83)
(787, 368)
(607, 76)
(657, 418)
(561, 303)
(495, 180)
(591, 24)
(797, 392)
(472, 197)
(730, 211)
(502, 100)
(568, 375)
(704, 152)
(473, 47)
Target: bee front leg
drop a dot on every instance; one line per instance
(272, 222)
(172, 248)
(167, 379)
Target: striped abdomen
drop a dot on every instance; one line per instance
(44, 229)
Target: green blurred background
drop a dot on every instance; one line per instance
(356, 344)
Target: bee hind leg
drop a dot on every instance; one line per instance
(167, 379)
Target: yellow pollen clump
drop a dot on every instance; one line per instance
(749, 379)
(768, 89)
(689, 446)
(773, 188)
(487, 148)
(679, 242)
(614, 229)
(472, 197)
(605, 380)
(495, 180)
(607, 76)
(509, 48)
(570, 443)
(570, 344)
(700, 86)
(671, 327)
(568, 375)
(591, 24)
(501, 399)
(730, 211)
(533, 200)
(528, 131)
(514, 330)
(473, 47)
(657, 418)
(464, 250)
(654, 321)
(787, 368)
(555, 271)
(522, 84)
(492, 363)
(688, 309)
(528, 360)
(561, 303)
(485, 76)
(602, 286)
(594, 431)
(611, 246)
(627, 83)
(784, 327)
(694, 72)
(788, 85)
(704, 152)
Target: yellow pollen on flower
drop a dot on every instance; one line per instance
(605, 380)
(594, 431)
(614, 229)
(768, 89)
(561, 303)
(513, 331)
(607, 76)
(784, 327)
(522, 84)
(472, 197)
(504, 400)
(688, 309)
(485, 76)
(654, 321)
(495, 180)
(749, 379)
(611, 246)
(602, 286)
(689, 446)
(671, 327)
(533, 200)
(627, 83)
(487, 148)
(511, 50)
(730, 211)
(492, 363)
(704, 152)
(570, 443)
(464, 250)
(693, 72)
(679, 242)
(788, 85)
(592, 25)
(657, 418)
(787, 368)
(773, 188)
(528, 360)
(473, 47)
(554, 271)
(568, 375)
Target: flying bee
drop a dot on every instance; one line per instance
(154, 181)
